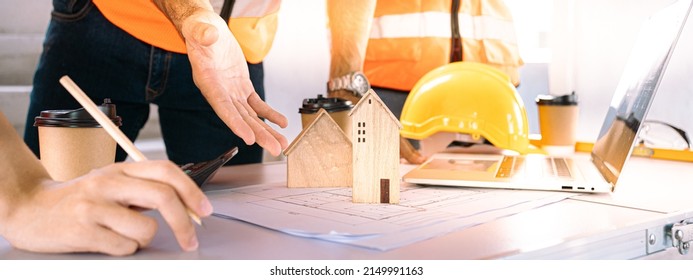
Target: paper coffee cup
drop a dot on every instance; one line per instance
(337, 108)
(72, 143)
(558, 117)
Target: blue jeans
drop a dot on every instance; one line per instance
(107, 62)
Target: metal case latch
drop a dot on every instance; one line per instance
(682, 236)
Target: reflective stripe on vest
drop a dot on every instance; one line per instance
(406, 43)
(253, 23)
(437, 24)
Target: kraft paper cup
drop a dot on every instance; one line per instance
(558, 118)
(72, 143)
(337, 108)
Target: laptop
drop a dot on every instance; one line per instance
(594, 173)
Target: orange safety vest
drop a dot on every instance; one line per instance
(252, 22)
(410, 38)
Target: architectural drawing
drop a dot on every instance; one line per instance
(329, 214)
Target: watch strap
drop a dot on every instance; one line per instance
(340, 83)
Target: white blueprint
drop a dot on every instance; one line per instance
(329, 214)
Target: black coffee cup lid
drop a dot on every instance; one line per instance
(568, 99)
(312, 105)
(77, 117)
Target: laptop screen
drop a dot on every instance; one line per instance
(637, 87)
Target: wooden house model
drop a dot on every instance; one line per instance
(320, 156)
(375, 156)
(323, 156)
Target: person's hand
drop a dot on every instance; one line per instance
(220, 71)
(409, 153)
(99, 212)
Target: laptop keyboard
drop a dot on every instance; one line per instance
(553, 167)
(557, 167)
(509, 166)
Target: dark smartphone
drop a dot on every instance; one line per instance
(201, 172)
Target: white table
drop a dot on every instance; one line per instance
(572, 228)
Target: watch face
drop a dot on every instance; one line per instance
(360, 84)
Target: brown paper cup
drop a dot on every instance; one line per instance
(340, 117)
(337, 108)
(558, 126)
(68, 152)
(72, 143)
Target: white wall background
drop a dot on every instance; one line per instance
(297, 66)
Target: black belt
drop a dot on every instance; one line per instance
(226, 9)
(456, 47)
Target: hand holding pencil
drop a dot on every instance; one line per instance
(184, 190)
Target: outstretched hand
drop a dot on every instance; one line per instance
(221, 73)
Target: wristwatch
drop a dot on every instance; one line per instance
(356, 82)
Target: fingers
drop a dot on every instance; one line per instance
(407, 151)
(245, 123)
(264, 110)
(126, 222)
(231, 116)
(155, 185)
(171, 175)
(221, 98)
(166, 201)
(122, 231)
(283, 143)
(263, 133)
(275, 135)
(106, 241)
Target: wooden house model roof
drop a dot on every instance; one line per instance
(329, 123)
(378, 101)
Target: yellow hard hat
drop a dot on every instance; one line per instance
(471, 98)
